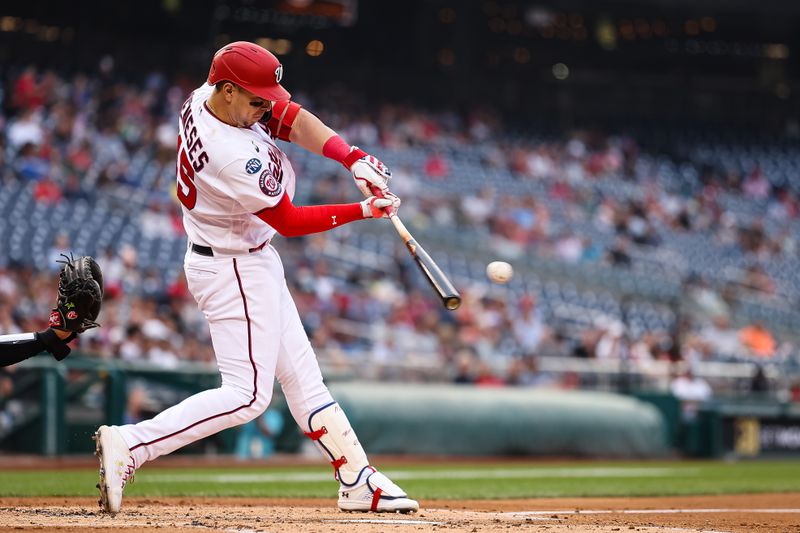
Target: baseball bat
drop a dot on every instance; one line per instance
(438, 280)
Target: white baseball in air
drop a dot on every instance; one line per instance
(499, 271)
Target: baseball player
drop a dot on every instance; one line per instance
(80, 294)
(236, 188)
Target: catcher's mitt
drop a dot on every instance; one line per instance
(80, 295)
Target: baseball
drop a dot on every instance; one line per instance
(499, 271)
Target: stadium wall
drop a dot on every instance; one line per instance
(453, 420)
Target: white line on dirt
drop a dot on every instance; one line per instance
(516, 473)
(647, 511)
(693, 530)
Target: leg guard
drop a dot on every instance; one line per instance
(330, 430)
(362, 488)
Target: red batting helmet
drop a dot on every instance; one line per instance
(250, 66)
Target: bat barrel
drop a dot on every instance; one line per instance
(438, 280)
(452, 302)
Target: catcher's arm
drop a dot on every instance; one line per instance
(80, 295)
(17, 348)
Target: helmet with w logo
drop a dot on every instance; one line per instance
(251, 67)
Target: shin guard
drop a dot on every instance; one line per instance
(330, 430)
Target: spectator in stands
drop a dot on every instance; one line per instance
(644, 350)
(527, 325)
(477, 208)
(753, 239)
(556, 344)
(130, 275)
(26, 130)
(47, 191)
(703, 302)
(569, 247)
(756, 186)
(613, 342)
(757, 340)
(29, 164)
(618, 255)
(757, 280)
(721, 338)
(794, 392)
(73, 188)
(465, 367)
(130, 349)
(80, 156)
(637, 226)
(525, 372)
(584, 348)
(759, 384)
(8, 324)
(570, 380)
(26, 93)
(486, 376)
(692, 391)
(517, 374)
(436, 166)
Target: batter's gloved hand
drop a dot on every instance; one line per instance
(368, 171)
(375, 207)
(80, 295)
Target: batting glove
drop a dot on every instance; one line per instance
(368, 171)
(374, 207)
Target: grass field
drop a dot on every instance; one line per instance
(451, 481)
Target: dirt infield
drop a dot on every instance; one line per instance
(710, 514)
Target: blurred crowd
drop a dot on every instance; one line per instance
(79, 136)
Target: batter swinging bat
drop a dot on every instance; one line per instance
(438, 280)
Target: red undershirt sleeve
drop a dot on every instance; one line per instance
(293, 221)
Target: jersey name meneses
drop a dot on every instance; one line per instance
(225, 174)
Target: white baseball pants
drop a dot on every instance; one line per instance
(257, 336)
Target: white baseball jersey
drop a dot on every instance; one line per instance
(225, 174)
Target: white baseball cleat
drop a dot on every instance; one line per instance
(116, 467)
(378, 495)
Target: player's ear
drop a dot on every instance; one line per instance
(227, 90)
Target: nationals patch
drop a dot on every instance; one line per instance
(253, 166)
(268, 184)
(72, 315)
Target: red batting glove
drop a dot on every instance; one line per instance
(375, 207)
(369, 173)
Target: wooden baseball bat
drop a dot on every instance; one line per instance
(438, 280)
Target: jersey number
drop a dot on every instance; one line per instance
(187, 191)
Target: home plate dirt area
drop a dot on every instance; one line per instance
(710, 514)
